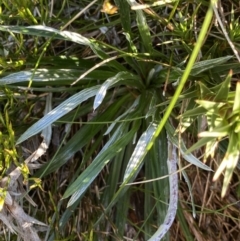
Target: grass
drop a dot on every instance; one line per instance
(98, 88)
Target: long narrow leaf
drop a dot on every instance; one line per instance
(179, 144)
(58, 112)
(173, 203)
(190, 192)
(83, 136)
(202, 66)
(108, 83)
(44, 31)
(140, 151)
(115, 144)
(134, 165)
(46, 76)
(143, 27)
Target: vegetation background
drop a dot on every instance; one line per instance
(90, 91)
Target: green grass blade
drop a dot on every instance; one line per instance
(184, 225)
(124, 11)
(229, 162)
(143, 28)
(203, 32)
(44, 31)
(134, 165)
(203, 141)
(190, 191)
(144, 31)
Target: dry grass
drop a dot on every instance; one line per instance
(217, 218)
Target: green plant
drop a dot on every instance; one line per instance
(124, 107)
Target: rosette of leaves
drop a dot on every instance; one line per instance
(118, 103)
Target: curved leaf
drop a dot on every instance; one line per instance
(122, 76)
(140, 151)
(44, 31)
(52, 75)
(205, 65)
(58, 112)
(188, 157)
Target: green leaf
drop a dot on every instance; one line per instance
(194, 112)
(172, 75)
(134, 164)
(118, 141)
(143, 28)
(211, 106)
(191, 112)
(82, 137)
(157, 191)
(234, 66)
(124, 11)
(222, 93)
(236, 105)
(53, 76)
(139, 152)
(205, 65)
(210, 148)
(183, 172)
(206, 92)
(229, 162)
(131, 44)
(129, 110)
(183, 150)
(115, 174)
(203, 141)
(183, 224)
(217, 132)
(118, 78)
(44, 31)
(144, 31)
(58, 112)
(152, 106)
